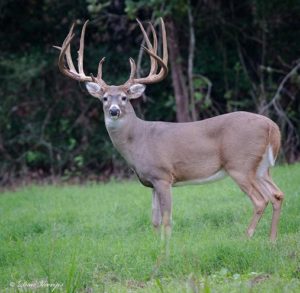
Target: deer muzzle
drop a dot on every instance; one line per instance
(114, 112)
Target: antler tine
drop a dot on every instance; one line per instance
(81, 49)
(164, 60)
(153, 64)
(133, 69)
(149, 45)
(132, 73)
(99, 74)
(68, 51)
(164, 39)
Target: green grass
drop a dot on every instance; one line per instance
(98, 238)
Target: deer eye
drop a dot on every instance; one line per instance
(105, 99)
(124, 98)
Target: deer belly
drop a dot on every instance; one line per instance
(217, 176)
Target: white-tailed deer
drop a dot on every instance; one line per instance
(240, 144)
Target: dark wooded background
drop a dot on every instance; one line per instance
(224, 56)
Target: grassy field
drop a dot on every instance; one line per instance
(98, 238)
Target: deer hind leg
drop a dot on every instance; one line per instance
(252, 188)
(260, 204)
(275, 218)
(274, 194)
(276, 199)
(156, 212)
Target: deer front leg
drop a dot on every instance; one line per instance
(162, 189)
(156, 212)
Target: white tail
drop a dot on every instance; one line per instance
(241, 144)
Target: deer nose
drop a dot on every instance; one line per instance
(114, 112)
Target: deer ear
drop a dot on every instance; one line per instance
(136, 90)
(94, 89)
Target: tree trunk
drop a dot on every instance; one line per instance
(178, 80)
(191, 63)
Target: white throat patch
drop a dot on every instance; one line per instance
(113, 123)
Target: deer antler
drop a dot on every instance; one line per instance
(153, 76)
(70, 70)
(156, 61)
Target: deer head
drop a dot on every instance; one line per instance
(115, 99)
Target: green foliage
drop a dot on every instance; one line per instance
(94, 7)
(158, 7)
(100, 236)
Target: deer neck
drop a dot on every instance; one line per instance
(124, 132)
